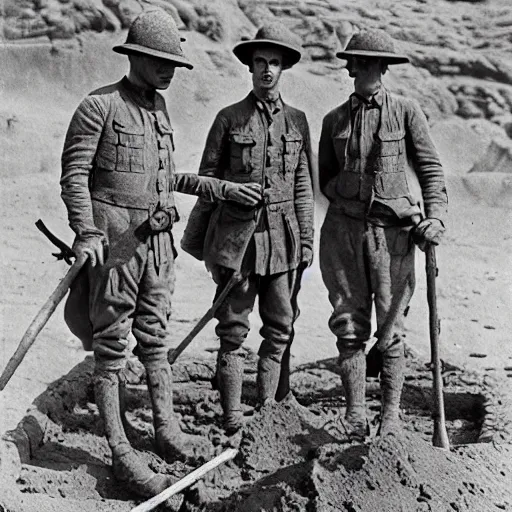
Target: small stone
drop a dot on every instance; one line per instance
(477, 354)
(489, 327)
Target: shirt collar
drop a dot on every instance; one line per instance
(375, 101)
(272, 106)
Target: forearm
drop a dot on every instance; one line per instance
(207, 188)
(304, 202)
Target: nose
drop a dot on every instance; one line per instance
(168, 69)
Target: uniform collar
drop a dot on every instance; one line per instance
(143, 97)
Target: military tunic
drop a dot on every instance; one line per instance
(252, 142)
(117, 171)
(369, 154)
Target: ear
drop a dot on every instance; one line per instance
(384, 67)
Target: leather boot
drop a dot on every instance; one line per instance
(170, 442)
(391, 383)
(230, 371)
(127, 465)
(353, 377)
(267, 379)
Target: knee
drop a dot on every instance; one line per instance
(347, 347)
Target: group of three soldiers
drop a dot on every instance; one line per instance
(254, 217)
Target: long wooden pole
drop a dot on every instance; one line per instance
(440, 436)
(174, 353)
(185, 482)
(40, 321)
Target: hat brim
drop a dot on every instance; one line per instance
(245, 49)
(130, 49)
(390, 58)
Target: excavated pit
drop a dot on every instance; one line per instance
(292, 456)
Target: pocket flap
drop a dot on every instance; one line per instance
(391, 136)
(292, 137)
(128, 128)
(242, 138)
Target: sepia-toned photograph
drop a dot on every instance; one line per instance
(255, 256)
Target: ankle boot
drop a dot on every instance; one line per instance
(127, 466)
(170, 442)
(267, 379)
(353, 378)
(391, 383)
(230, 370)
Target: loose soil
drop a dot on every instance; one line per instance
(295, 455)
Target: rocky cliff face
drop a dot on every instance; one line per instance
(461, 51)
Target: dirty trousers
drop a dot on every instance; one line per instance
(129, 293)
(276, 311)
(362, 263)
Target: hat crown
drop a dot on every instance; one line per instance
(371, 41)
(155, 29)
(276, 31)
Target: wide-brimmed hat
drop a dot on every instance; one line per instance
(373, 43)
(274, 35)
(154, 32)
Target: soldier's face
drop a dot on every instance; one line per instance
(153, 72)
(365, 71)
(267, 65)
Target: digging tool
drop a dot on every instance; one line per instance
(185, 482)
(66, 253)
(440, 436)
(283, 388)
(43, 314)
(173, 354)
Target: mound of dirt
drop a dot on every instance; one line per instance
(295, 455)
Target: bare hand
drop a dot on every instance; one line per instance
(428, 231)
(95, 248)
(248, 194)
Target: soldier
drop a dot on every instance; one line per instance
(366, 251)
(257, 140)
(118, 179)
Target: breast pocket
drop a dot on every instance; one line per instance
(292, 145)
(390, 179)
(241, 145)
(129, 147)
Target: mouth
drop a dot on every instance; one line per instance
(267, 79)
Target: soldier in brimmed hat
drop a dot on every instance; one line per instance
(257, 140)
(118, 180)
(370, 148)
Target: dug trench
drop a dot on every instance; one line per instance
(293, 456)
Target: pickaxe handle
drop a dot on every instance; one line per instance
(173, 354)
(185, 482)
(440, 436)
(40, 321)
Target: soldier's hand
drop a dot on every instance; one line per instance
(428, 231)
(247, 194)
(95, 247)
(306, 257)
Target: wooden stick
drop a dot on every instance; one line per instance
(173, 354)
(40, 321)
(186, 481)
(440, 436)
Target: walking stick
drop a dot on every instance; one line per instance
(40, 320)
(185, 482)
(440, 436)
